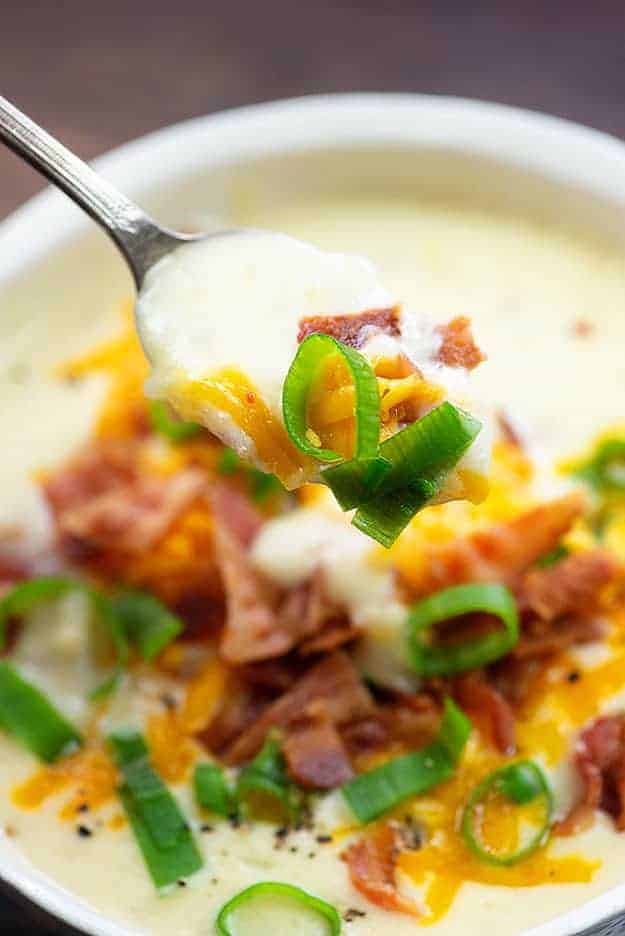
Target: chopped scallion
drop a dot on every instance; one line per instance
(264, 782)
(29, 716)
(276, 894)
(148, 623)
(420, 456)
(445, 660)
(160, 828)
(519, 783)
(373, 793)
(212, 790)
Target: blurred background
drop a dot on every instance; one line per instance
(99, 74)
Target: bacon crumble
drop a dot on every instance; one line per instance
(353, 330)
(458, 347)
(372, 863)
(599, 759)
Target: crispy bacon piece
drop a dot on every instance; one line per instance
(571, 586)
(516, 678)
(315, 755)
(232, 509)
(500, 553)
(240, 706)
(372, 862)
(333, 681)
(97, 469)
(353, 330)
(252, 631)
(479, 697)
(102, 502)
(458, 347)
(600, 763)
(261, 621)
(541, 639)
(324, 625)
(133, 517)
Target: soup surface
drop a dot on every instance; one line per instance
(549, 310)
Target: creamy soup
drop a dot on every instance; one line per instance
(549, 310)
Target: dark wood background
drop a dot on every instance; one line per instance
(99, 73)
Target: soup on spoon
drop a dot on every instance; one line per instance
(303, 363)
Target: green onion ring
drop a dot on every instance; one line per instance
(521, 783)
(278, 889)
(312, 353)
(266, 775)
(129, 616)
(429, 660)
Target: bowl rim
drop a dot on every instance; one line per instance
(512, 135)
(557, 149)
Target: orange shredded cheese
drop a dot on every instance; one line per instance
(90, 773)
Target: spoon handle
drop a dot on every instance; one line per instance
(140, 239)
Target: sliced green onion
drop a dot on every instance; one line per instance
(135, 616)
(212, 790)
(148, 623)
(431, 660)
(354, 481)
(117, 632)
(27, 595)
(519, 783)
(274, 892)
(160, 828)
(605, 469)
(420, 456)
(375, 792)
(384, 518)
(265, 779)
(166, 424)
(29, 716)
(312, 355)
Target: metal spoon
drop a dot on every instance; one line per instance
(140, 239)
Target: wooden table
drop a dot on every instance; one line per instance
(97, 74)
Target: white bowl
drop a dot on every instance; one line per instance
(507, 158)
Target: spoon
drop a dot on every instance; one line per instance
(140, 239)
